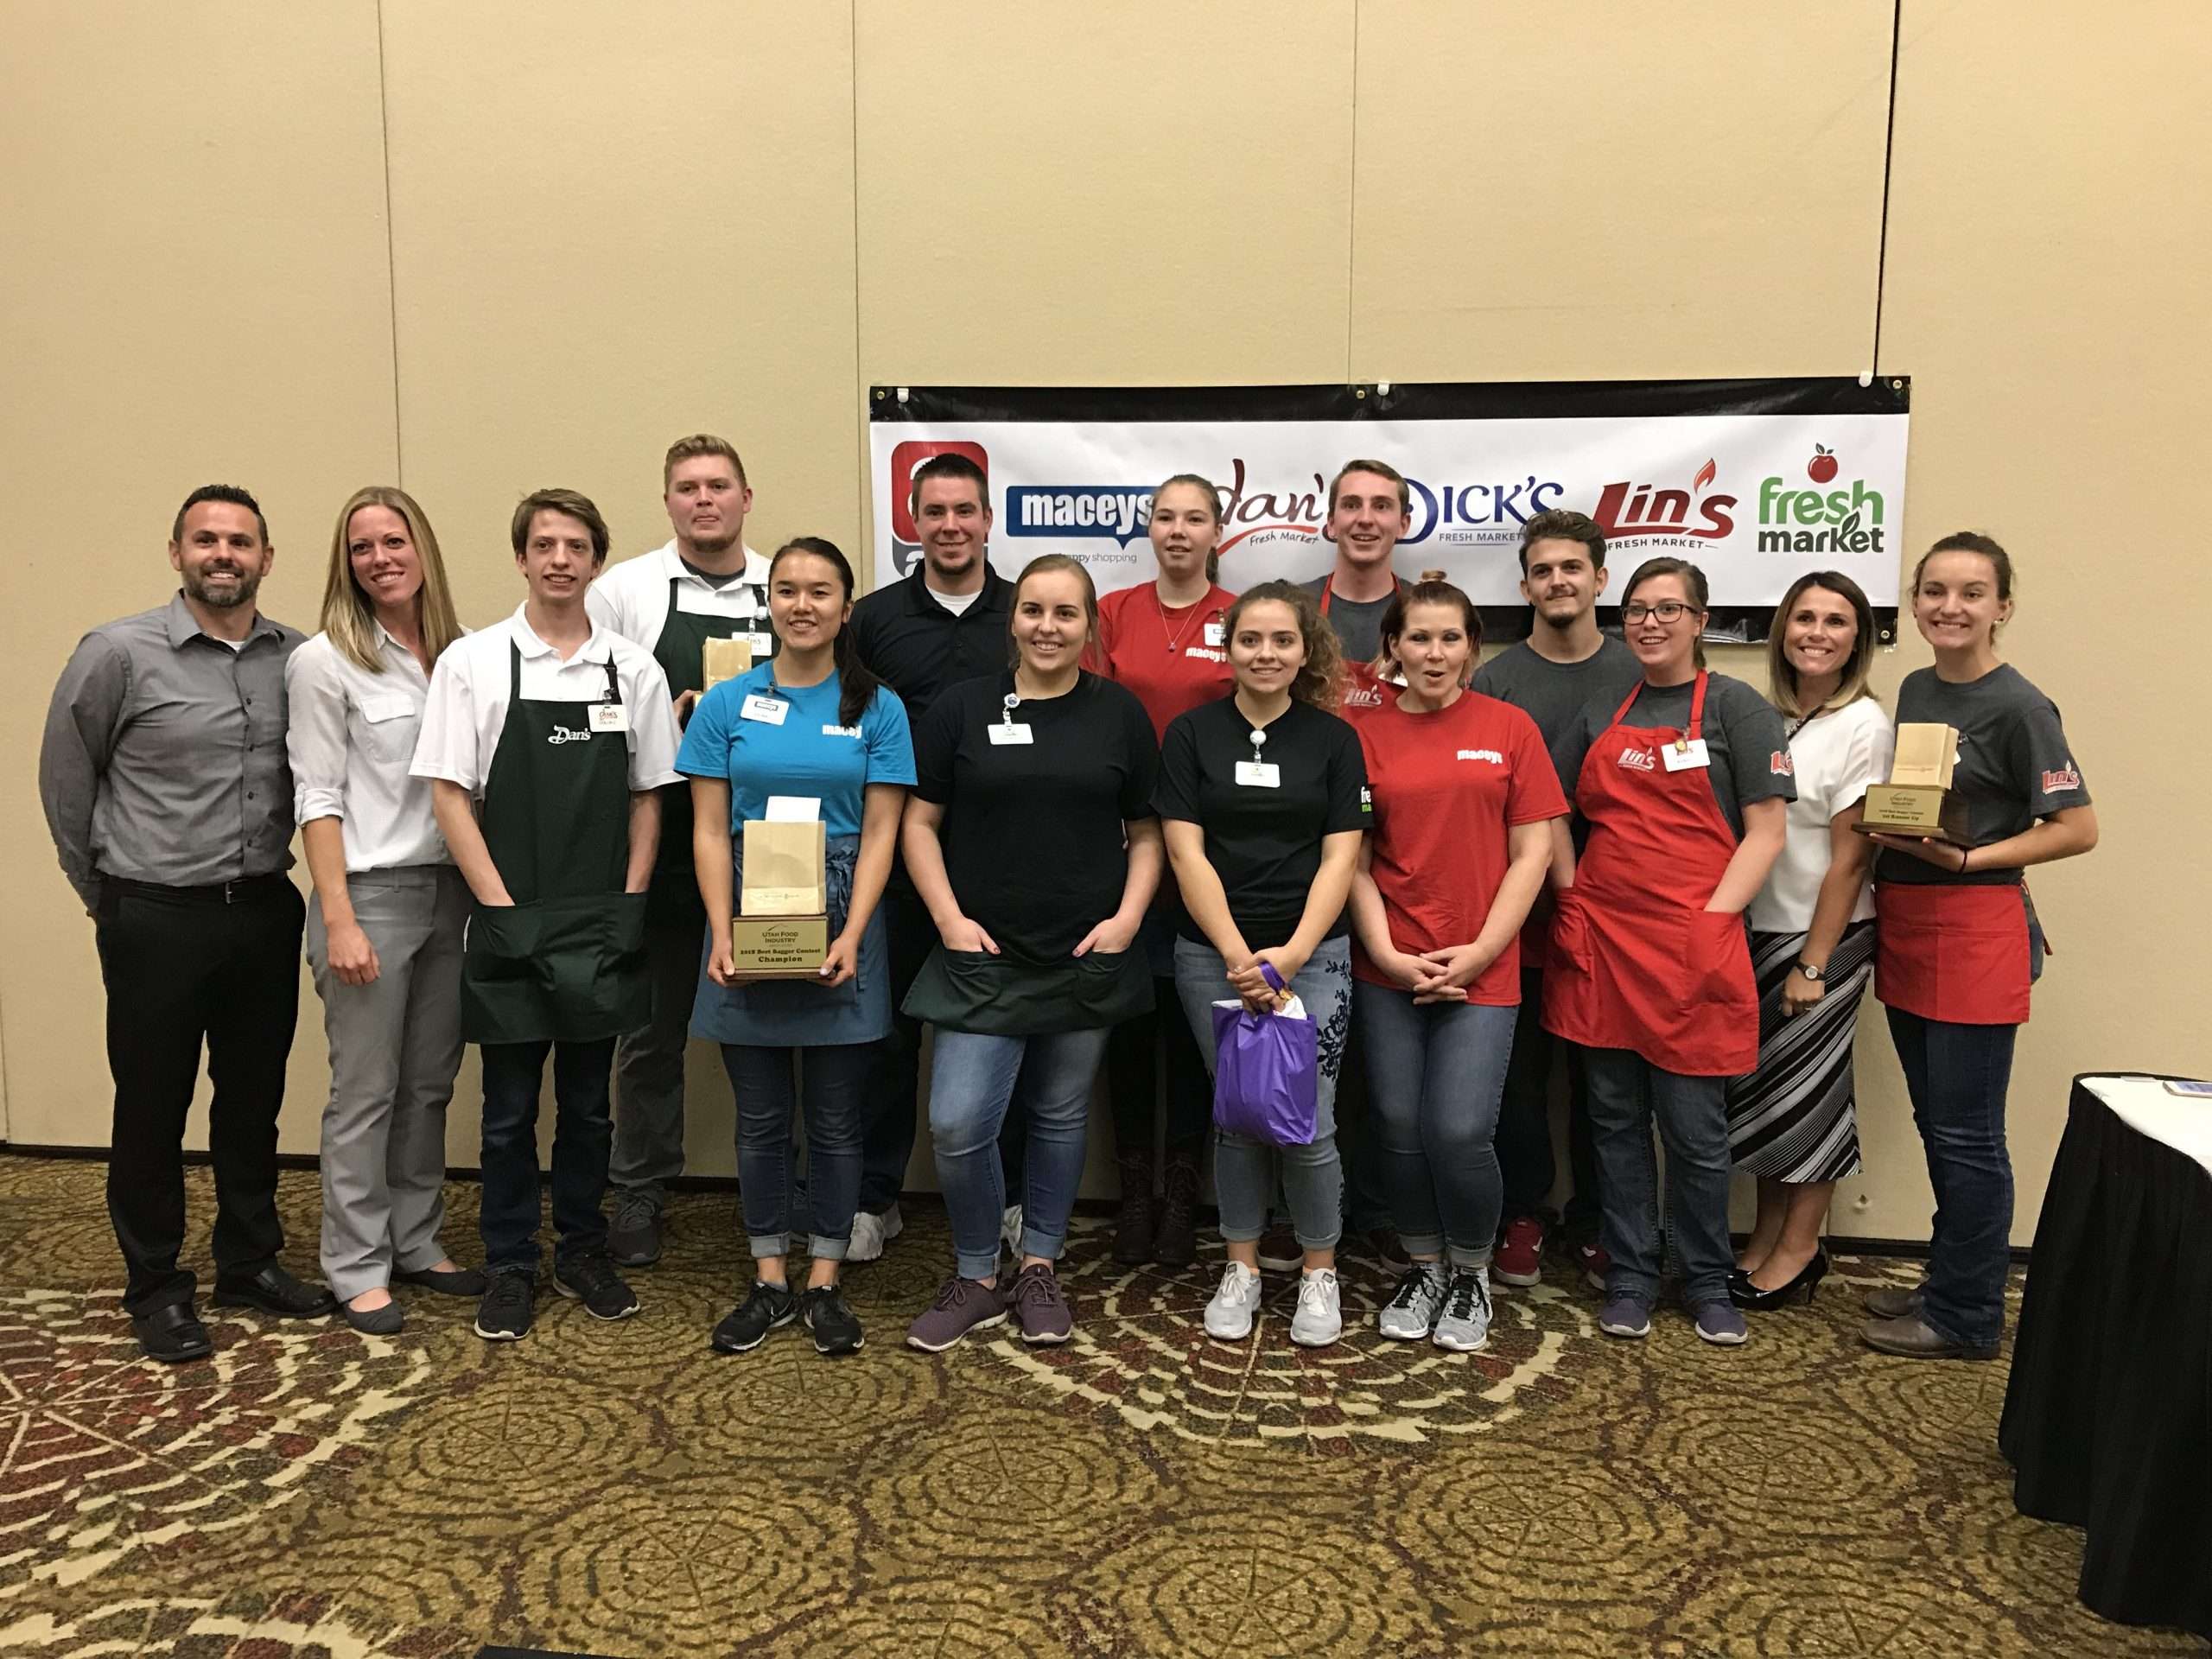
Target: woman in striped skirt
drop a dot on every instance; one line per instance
(1791, 1120)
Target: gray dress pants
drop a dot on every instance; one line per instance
(394, 1046)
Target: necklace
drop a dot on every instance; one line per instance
(1176, 639)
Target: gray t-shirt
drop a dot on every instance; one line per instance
(2014, 767)
(1745, 739)
(1553, 694)
(1358, 622)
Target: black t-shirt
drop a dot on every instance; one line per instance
(1264, 843)
(2014, 767)
(1033, 832)
(1745, 739)
(1553, 694)
(916, 647)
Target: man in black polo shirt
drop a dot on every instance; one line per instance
(945, 623)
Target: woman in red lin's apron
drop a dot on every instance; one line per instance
(1684, 787)
(1957, 944)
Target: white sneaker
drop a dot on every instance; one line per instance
(1235, 1306)
(1410, 1314)
(1010, 1230)
(1320, 1317)
(872, 1233)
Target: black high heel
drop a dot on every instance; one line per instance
(1745, 1294)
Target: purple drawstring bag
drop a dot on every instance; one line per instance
(1266, 1071)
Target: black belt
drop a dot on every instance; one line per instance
(220, 893)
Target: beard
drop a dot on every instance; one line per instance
(222, 599)
(721, 542)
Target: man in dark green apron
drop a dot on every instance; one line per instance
(546, 738)
(705, 583)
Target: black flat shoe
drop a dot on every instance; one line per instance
(1745, 1294)
(274, 1290)
(461, 1281)
(386, 1321)
(172, 1333)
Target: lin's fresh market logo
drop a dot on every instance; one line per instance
(1628, 511)
(1819, 520)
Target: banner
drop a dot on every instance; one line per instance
(1755, 481)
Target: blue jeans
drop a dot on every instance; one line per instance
(1436, 1073)
(582, 1132)
(973, 1079)
(833, 1084)
(1957, 1076)
(1245, 1170)
(1626, 1093)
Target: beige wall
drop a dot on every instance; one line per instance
(487, 247)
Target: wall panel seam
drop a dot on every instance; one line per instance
(390, 255)
(1351, 199)
(1889, 153)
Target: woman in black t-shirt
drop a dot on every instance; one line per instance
(1264, 796)
(1955, 944)
(1030, 837)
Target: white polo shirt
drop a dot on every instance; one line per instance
(631, 598)
(350, 735)
(466, 706)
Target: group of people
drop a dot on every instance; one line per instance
(1059, 831)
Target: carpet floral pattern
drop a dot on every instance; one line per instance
(620, 1489)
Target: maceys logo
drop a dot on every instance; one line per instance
(1651, 512)
(1123, 512)
(906, 459)
(1818, 520)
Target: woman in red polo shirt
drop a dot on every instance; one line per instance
(1465, 803)
(1163, 640)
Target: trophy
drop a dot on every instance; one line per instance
(724, 660)
(1918, 800)
(782, 927)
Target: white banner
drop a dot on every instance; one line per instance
(1756, 482)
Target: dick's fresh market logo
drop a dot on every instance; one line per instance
(1793, 519)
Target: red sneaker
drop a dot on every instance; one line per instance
(1520, 1257)
(1594, 1263)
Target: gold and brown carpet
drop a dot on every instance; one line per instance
(620, 1489)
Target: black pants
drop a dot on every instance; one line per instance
(1160, 1040)
(1524, 1122)
(582, 1134)
(183, 970)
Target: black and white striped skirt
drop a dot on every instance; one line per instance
(1794, 1118)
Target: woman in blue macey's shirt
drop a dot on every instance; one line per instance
(813, 724)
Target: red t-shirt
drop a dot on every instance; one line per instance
(1172, 659)
(1448, 786)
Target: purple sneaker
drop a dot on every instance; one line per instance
(1039, 1307)
(1625, 1316)
(962, 1305)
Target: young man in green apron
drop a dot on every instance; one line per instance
(545, 738)
(705, 583)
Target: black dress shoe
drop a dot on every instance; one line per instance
(1745, 1294)
(273, 1290)
(458, 1281)
(172, 1333)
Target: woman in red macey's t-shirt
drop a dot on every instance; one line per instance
(1163, 640)
(1465, 807)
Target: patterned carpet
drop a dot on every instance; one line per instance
(620, 1489)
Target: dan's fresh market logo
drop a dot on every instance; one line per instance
(1819, 520)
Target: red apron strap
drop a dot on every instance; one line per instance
(1697, 707)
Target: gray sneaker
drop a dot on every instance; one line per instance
(1625, 1316)
(1464, 1325)
(1410, 1314)
(634, 1237)
(1040, 1306)
(1235, 1306)
(1721, 1322)
(962, 1305)
(1320, 1317)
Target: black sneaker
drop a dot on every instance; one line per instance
(634, 1237)
(830, 1318)
(592, 1281)
(502, 1312)
(765, 1308)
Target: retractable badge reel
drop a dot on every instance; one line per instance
(1256, 773)
(1007, 731)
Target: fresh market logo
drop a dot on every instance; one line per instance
(1817, 521)
(1629, 510)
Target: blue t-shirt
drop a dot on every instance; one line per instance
(809, 753)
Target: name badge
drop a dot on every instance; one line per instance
(763, 645)
(769, 710)
(1259, 774)
(1213, 634)
(1004, 732)
(609, 717)
(1686, 757)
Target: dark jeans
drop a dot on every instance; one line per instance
(832, 1088)
(1957, 1076)
(1524, 1123)
(1627, 1093)
(894, 1081)
(1366, 1187)
(182, 970)
(1134, 1048)
(1434, 1073)
(583, 1132)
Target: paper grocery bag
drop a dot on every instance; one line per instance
(784, 872)
(724, 659)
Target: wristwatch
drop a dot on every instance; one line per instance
(1809, 971)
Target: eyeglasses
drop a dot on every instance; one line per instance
(1667, 610)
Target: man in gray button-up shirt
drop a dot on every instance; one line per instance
(165, 784)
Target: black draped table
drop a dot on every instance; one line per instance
(2108, 1416)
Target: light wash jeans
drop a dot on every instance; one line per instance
(1244, 1170)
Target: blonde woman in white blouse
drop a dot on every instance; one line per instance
(384, 937)
(1793, 1120)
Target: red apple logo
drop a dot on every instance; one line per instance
(1822, 467)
